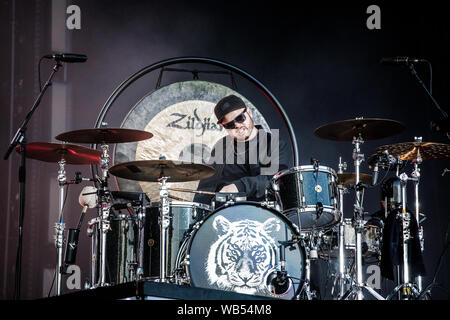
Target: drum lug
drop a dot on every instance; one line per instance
(186, 261)
(197, 225)
(90, 231)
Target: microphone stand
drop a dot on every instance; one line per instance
(414, 73)
(20, 139)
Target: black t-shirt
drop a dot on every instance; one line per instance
(249, 165)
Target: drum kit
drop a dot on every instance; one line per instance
(261, 248)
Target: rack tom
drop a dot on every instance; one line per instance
(308, 196)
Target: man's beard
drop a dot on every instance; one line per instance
(246, 133)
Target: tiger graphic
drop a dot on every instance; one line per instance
(243, 256)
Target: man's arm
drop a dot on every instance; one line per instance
(255, 185)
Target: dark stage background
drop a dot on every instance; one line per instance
(320, 61)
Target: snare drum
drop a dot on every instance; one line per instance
(308, 193)
(183, 217)
(236, 248)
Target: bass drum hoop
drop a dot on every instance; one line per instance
(182, 256)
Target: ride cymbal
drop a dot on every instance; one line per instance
(104, 135)
(55, 152)
(369, 129)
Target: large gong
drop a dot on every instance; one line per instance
(181, 118)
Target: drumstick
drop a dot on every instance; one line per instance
(192, 191)
(176, 198)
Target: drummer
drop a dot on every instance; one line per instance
(246, 159)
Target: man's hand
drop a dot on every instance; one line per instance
(231, 188)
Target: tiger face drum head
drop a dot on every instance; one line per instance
(237, 249)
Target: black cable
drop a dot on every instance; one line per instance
(39, 73)
(51, 287)
(431, 75)
(438, 266)
(64, 204)
(65, 200)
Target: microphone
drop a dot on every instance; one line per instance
(400, 60)
(67, 57)
(72, 246)
(375, 174)
(278, 282)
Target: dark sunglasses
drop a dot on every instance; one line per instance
(239, 119)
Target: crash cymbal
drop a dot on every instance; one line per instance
(350, 178)
(55, 152)
(370, 129)
(409, 151)
(152, 170)
(104, 135)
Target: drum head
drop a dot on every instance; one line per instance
(237, 249)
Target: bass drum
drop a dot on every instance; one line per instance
(237, 248)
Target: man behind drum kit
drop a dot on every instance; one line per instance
(246, 159)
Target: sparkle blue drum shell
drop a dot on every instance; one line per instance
(236, 248)
(301, 190)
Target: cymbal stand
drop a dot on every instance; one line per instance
(416, 175)
(104, 211)
(408, 288)
(164, 222)
(307, 242)
(358, 223)
(60, 226)
(342, 275)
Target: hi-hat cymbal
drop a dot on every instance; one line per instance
(410, 151)
(152, 170)
(350, 178)
(369, 129)
(55, 152)
(104, 135)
